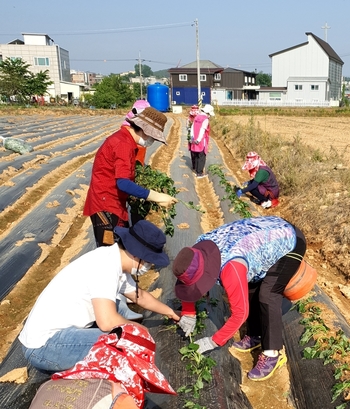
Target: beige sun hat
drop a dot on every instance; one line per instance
(152, 122)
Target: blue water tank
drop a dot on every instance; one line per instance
(158, 96)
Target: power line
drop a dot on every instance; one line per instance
(123, 30)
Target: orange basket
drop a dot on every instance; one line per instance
(301, 283)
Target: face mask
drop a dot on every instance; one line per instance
(144, 268)
(145, 143)
(134, 270)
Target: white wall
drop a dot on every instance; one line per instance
(308, 60)
(307, 94)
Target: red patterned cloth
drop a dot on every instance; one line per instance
(252, 163)
(126, 356)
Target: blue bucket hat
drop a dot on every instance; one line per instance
(145, 241)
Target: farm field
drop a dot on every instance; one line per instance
(42, 195)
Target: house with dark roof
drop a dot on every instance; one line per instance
(217, 84)
(308, 72)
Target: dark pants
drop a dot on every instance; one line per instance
(198, 161)
(265, 298)
(100, 228)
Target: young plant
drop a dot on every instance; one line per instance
(239, 206)
(153, 179)
(332, 349)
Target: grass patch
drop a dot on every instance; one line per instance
(314, 183)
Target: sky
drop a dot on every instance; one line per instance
(111, 36)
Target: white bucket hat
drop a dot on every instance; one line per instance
(208, 109)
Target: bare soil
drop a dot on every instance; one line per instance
(71, 235)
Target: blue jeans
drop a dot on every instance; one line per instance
(63, 350)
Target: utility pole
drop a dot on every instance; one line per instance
(325, 27)
(198, 66)
(140, 74)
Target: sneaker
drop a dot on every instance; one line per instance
(266, 366)
(202, 176)
(275, 202)
(266, 205)
(247, 344)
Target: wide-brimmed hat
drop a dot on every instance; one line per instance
(208, 109)
(252, 161)
(152, 122)
(145, 241)
(126, 355)
(197, 269)
(138, 107)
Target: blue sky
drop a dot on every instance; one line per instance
(109, 36)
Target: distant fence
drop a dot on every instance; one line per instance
(257, 102)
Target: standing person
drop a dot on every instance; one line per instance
(251, 260)
(194, 111)
(113, 174)
(59, 330)
(263, 184)
(200, 131)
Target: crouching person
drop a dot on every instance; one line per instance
(79, 304)
(253, 260)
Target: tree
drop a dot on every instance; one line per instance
(137, 90)
(38, 83)
(145, 70)
(18, 83)
(112, 92)
(264, 79)
(13, 78)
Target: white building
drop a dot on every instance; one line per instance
(40, 51)
(311, 71)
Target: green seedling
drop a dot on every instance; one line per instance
(329, 348)
(153, 179)
(239, 206)
(191, 205)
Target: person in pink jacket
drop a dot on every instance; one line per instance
(200, 131)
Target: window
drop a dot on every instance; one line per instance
(275, 96)
(182, 77)
(203, 77)
(41, 61)
(314, 87)
(298, 87)
(217, 76)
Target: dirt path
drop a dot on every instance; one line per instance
(71, 233)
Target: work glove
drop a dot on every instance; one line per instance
(205, 344)
(239, 193)
(187, 324)
(161, 198)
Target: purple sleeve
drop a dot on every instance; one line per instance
(132, 188)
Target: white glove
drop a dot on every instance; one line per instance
(205, 344)
(161, 198)
(187, 324)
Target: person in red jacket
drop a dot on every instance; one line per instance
(199, 143)
(113, 174)
(253, 259)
